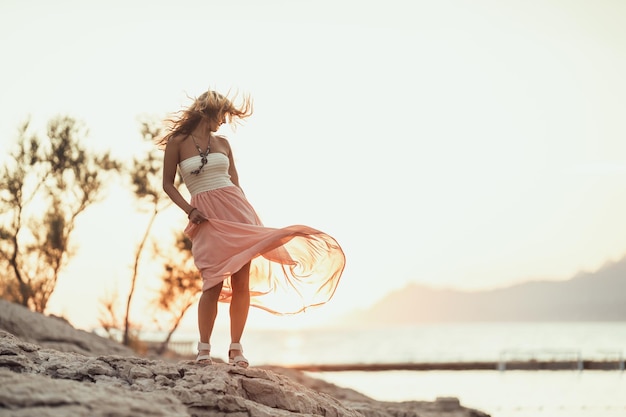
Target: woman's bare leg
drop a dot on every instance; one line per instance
(239, 305)
(207, 312)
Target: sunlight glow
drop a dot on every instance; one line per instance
(457, 144)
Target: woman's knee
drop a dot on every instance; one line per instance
(240, 281)
(240, 285)
(213, 292)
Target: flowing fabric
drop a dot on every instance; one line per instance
(291, 268)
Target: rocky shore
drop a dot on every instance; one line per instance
(50, 369)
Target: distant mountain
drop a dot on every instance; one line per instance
(597, 296)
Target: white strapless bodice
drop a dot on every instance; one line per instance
(213, 175)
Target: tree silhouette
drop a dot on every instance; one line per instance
(146, 179)
(48, 183)
(181, 280)
(180, 285)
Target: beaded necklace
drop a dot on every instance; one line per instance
(203, 155)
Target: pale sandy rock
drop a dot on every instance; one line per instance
(93, 376)
(73, 384)
(55, 333)
(36, 395)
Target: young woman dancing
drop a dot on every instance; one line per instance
(281, 270)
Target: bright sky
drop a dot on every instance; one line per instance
(459, 143)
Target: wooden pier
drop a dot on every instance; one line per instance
(508, 360)
(527, 365)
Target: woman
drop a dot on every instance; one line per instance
(283, 271)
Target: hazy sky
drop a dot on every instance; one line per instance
(459, 143)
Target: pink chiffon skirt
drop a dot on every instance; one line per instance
(291, 268)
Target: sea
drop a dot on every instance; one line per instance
(498, 392)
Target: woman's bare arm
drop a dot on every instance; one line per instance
(232, 169)
(170, 165)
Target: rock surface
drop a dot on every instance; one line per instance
(87, 379)
(55, 333)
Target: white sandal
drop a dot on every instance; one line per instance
(238, 360)
(205, 358)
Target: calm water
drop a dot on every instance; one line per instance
(501, 394)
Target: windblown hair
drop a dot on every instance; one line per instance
(209, 105)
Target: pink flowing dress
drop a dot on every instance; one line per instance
(291, 268)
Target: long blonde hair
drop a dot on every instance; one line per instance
(209, 105)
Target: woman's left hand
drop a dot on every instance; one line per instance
(196, 216)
